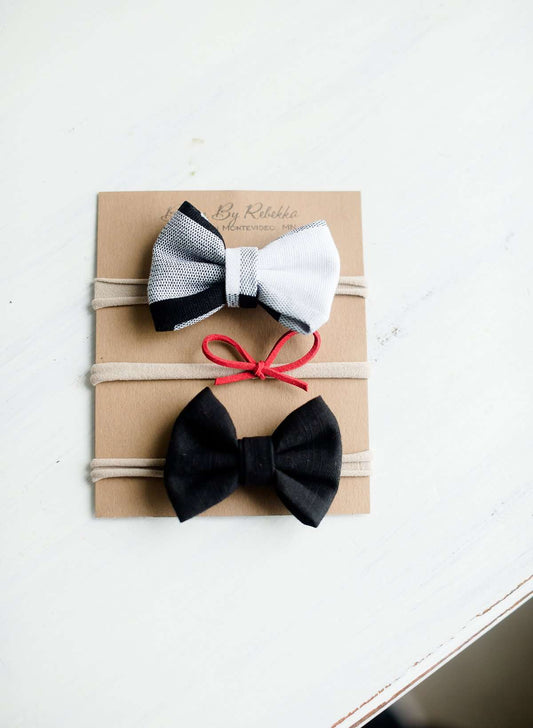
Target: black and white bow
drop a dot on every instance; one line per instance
(193, 274)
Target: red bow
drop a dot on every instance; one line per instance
(261, 369)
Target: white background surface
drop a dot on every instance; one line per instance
(427, 108)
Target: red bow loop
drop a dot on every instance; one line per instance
(250, 368)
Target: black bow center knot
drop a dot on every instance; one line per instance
(256, 461)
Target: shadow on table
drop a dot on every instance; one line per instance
(488, 685)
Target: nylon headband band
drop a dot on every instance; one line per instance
(354, 465)
(141, 371)
(132, 291)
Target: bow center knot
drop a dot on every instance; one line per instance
(259, 370)
(256, 461)
(241, 277)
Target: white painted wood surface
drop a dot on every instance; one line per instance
(427, 108)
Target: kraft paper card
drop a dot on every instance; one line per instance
(134, 419)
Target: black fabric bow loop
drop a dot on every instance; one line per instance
(206, 462)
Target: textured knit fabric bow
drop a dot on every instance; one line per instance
(250, 368)
(206, 462)
(193, 274)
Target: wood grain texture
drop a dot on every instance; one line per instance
(425, 107)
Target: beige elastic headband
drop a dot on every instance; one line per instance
(132, 291)
(354, 465)
(141, 371)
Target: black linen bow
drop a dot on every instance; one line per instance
(206, 462)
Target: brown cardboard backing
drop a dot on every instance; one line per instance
(134, 419)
